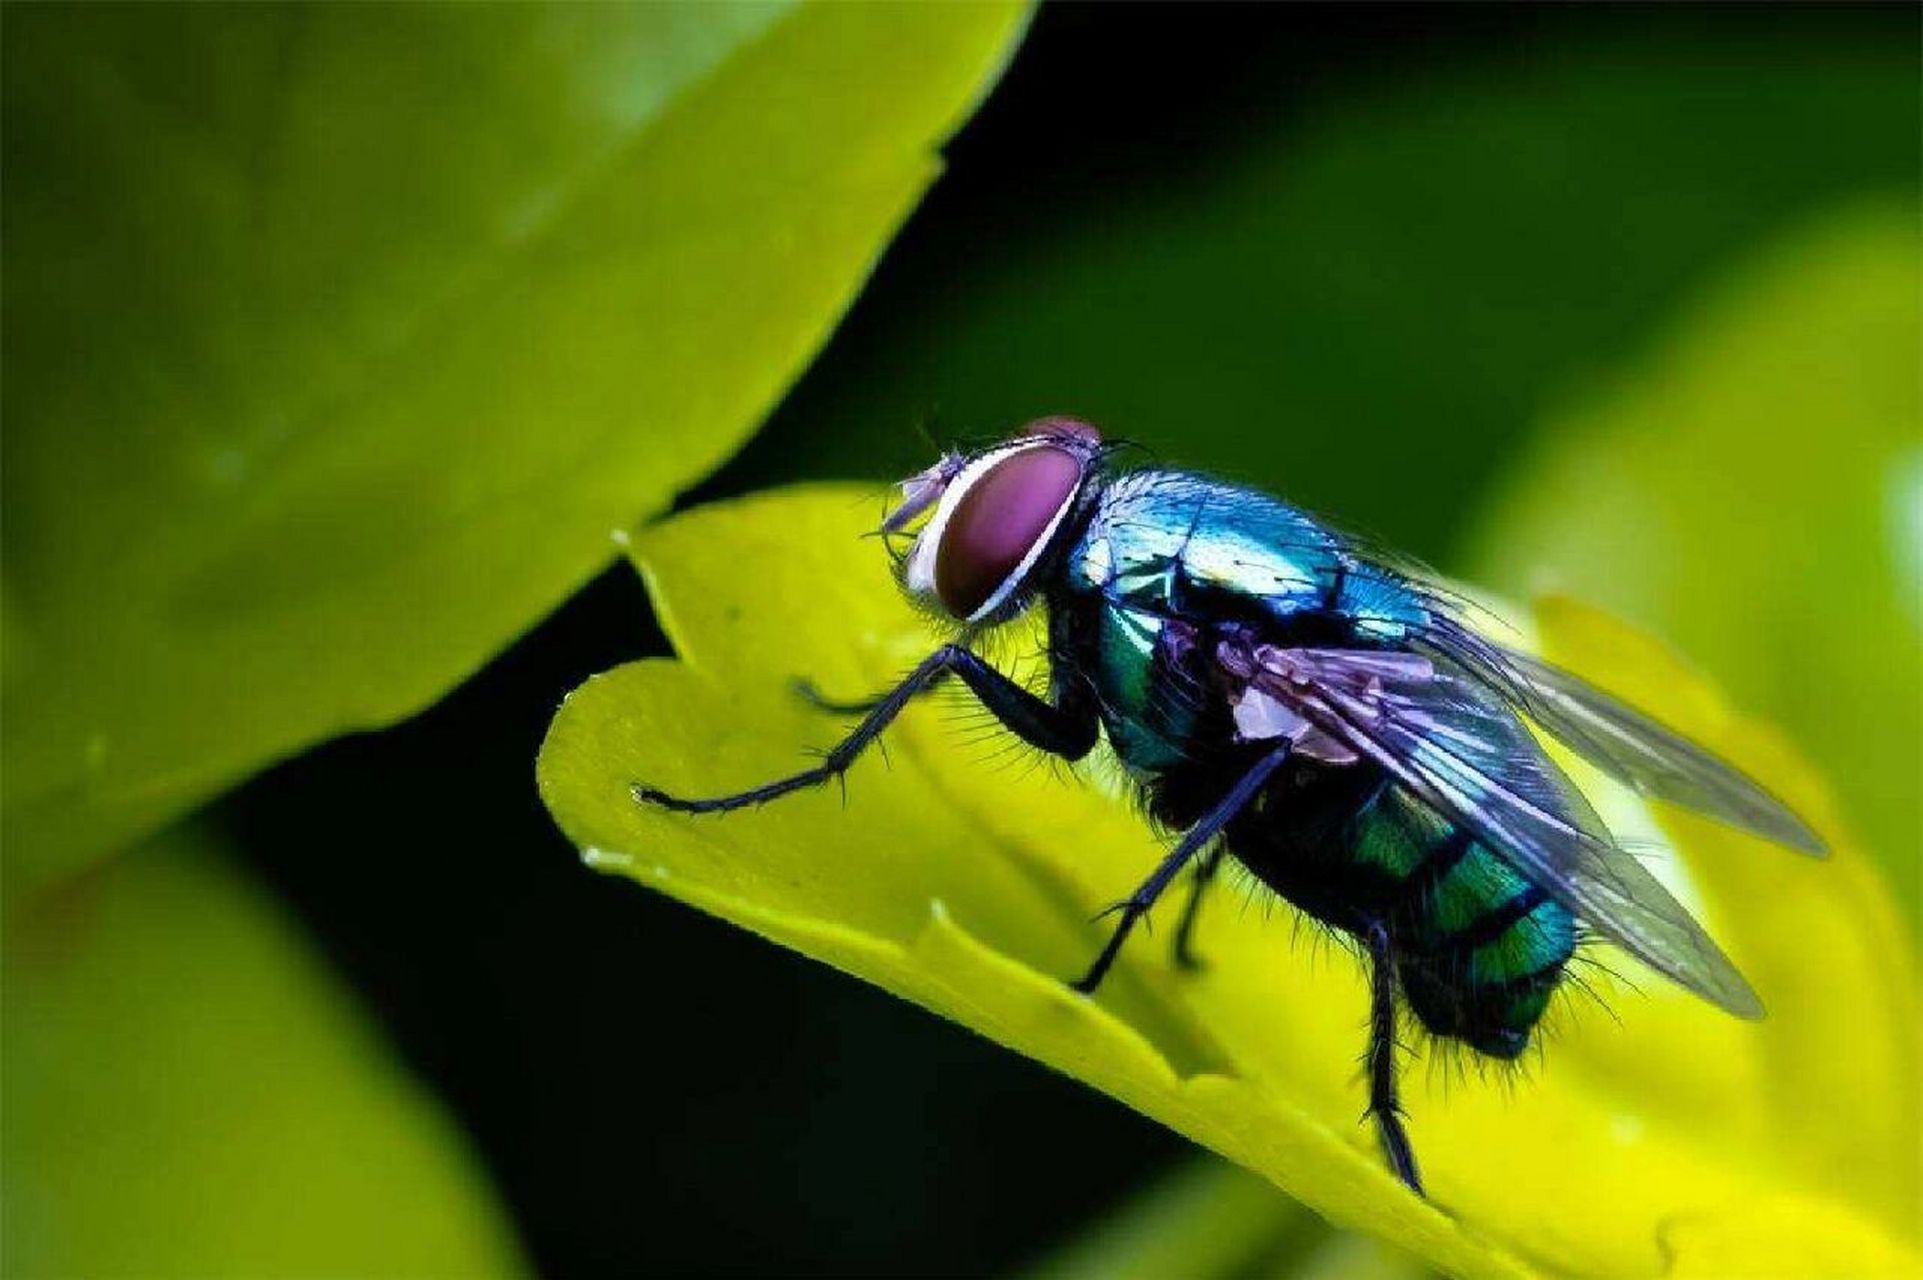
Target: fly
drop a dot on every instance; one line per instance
(1287, 697)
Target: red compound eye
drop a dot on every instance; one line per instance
(998, 522)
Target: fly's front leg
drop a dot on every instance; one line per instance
(1067, 730)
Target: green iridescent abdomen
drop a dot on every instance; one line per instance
(1479, 947)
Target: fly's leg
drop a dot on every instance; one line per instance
(1384, 1103)
(1193, 840)
(811, 694)
(1068, 730)
(1185, 957)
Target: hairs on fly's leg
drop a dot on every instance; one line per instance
(978, 725)
(1041, 660)
(955, 701)
(820, 755)
(1384, 1047)
(971, 726)
(1400, 1039)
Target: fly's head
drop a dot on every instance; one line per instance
(993, 518)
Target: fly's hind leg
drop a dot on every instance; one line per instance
(1184, 949)
(1385, 1105)
(1067, 728)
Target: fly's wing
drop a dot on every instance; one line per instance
(1629, 746)
(1453, 744)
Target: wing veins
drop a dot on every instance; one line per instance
(1607, 888)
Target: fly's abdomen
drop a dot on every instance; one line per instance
(1480, 948)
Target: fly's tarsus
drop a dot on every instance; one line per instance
(655, 798)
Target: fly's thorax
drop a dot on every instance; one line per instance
(1186, 546)
(1166, 561)
(1150, 717)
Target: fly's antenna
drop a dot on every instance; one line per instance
(924, 423)
(882, 496)
(879, 491)
(1123, 447)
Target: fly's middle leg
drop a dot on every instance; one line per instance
(1194, 840)
(1205, 873)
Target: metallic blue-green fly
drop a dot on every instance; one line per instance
(1321, 712)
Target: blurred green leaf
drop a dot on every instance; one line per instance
(189, 1093)
(1208, 1219)
(1752, 489)
(1212, 1220)
(340, 337)
(969, 889)
(1362, 297)
(1344, 1255)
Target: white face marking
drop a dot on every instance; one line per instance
(920, 573)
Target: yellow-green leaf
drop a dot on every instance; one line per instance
(960, 878)
(340, 337)
(1753, 488)
(188, 1093)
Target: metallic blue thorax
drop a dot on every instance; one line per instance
(1167, 567)
(1164, 547)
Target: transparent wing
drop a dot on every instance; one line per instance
(1452, 743)
(1629, 746)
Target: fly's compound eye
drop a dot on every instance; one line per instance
(1062, 427)
(999, 525)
